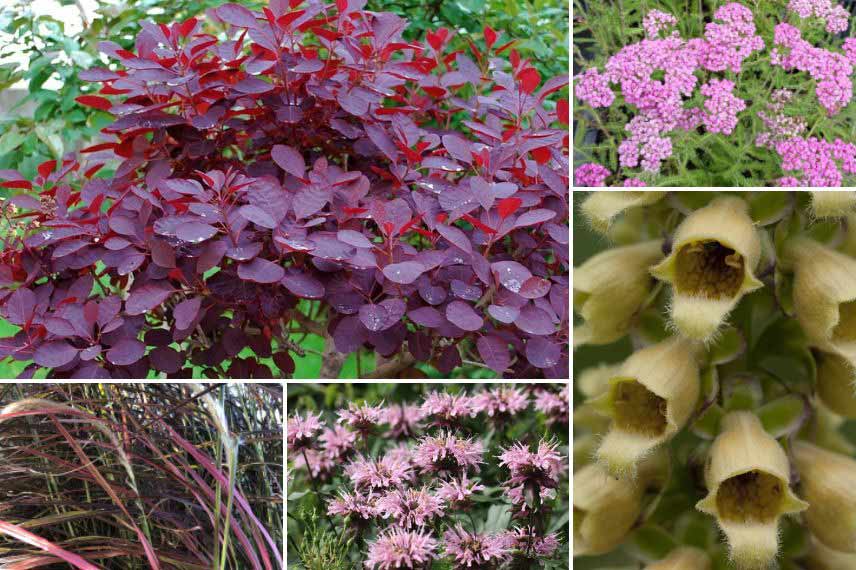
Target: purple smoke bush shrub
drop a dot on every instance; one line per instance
(418, 197)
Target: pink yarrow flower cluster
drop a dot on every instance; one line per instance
(777, 125)
(593, 88)
(819, 162)
(657, 22)
(591, 174)
(834, 15)
(721, 106)
(730, 41)
(830, 70)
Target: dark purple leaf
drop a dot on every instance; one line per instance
(534, 288)
(503, 314)
(195, 232)
(349, 334)
(59, 326)
(166, 359)
(126, 352)
(116, 243)
(186, 311)
(462, 315)
(511, 274)
(535, 321)
(459, 148)
(261, 271)
(258, 216)
(455, 236)
(146, 297)
(353, 238)
(163, 254)
(54, 354)
(494, 352)
(532, 217)
(90, 353)
(20, 306)
(309, 201)
(303, 285)
(182, 186)
(542, 352)
(374, 317)
(441, 163)
(289, 160)
(244, 252)
(68, 247)
(466, 291)
(211, 256)
(404, 273)
(426, 317)
(236, 15)
(252, 86)
(308, 66)
(449, 359)
(123, 225)
(396, 308)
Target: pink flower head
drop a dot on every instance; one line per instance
(338, 442)
(731, 40)
(502, 401)
(850, 50)
(469, 548)
(518, 498)
(656, 21)
(542, 467)
(458, 491)
(319, 464)
(300, 431)
(403, 420)
(397, 548)
(357, 506)
(591, 174)
(447, 410)
(834, 15)
(721, 106)
(410, 508)
(593, 88)
(448, 453)
(555, 406)
(362, 418)
(818, 162)
(528, 541)
(384, 473)
(634, 183)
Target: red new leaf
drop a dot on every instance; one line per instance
(94, 101)
(508, 206)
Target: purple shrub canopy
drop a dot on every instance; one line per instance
(312, 155)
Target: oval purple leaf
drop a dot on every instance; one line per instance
(533, 217)
(374, 317)
(261, 271)
(353, 238)
(54, 354)
(258, 216)
(534, 288)
(195, 232)
(147, 297)
(455, 236)
(542, 353)
(302, 285)
(289, 160)
(534, 321)
(494, 352)
(186, 311)
(404, 273)
(511, 274)
(126, 352)
(427, 317)
(463, 316)
(503, 314)
(166, 359)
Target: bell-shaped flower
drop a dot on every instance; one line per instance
(600, 208)
(832, 203)
(836, 384)
(683, 558)
(609, 289)
(821, 557)
(747, 476)
(605, 509)
(715, 253)
(828, 483)
(649, 401)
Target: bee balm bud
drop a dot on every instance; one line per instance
(715, 252)
(609, 289)
(747, 476)
(828, 483)
(601, 207)
(649, 401)
(683, 558)
(824, 295)
(835, 384)
(832, 203)
(605, 509)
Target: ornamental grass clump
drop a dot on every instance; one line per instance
(715, 431)
(723, 94)
(299, 170)
(480, 495)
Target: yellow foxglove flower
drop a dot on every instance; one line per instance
(594, 381)
(747, 475)
(609, 289)
(821, 557)
(601, 207)
(824, 295)
(828, 483)
(649, 401)
(715, 252)
(832, 203)
(835, 384)
(605, 509)
(683, 558)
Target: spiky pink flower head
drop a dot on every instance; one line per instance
(384, 473)
(397, 548)
(319, 464)
(358, 506)
(362, 419)
(542, 467)
(457, 492)
(528, 541)
(300, 431)
(403, 420)
(518, 497)
(469, 548)
(448, 454)
(338, 442)
(555, 406)
(502, 402)
(402, 453)
(447, 410)
(410, 508)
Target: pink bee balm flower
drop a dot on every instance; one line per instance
(403, 420)
(502, 401)
(356, 506)
(410, 508)
(542, 467)
(300, 431)
(591, 174)
(362, 419)
(397, 548)
(319, 464)
(457, 492)
(518, 499)
(527, 540)
(385, 473)
(338, 442)
(447, 410)
(447, 453)
(468, 548)
(555, 406)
